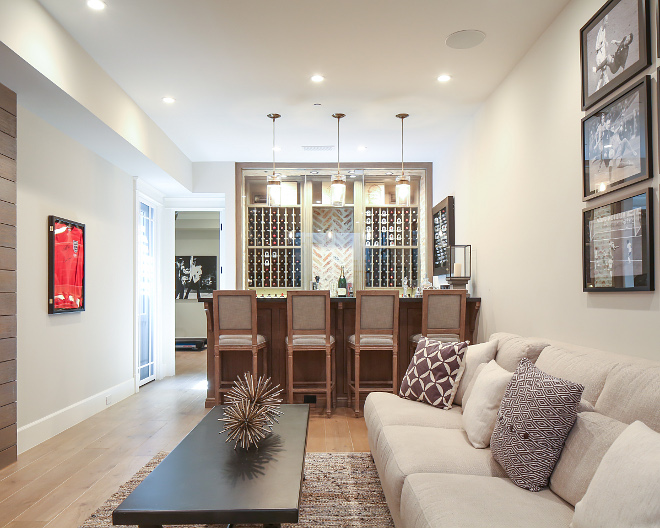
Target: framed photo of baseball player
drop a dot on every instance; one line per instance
(618, 244)
(614, 47)
(616, 142)
(66, 265)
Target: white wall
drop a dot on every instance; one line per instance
(69, 363)
(517, 180)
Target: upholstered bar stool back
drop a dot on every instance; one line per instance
(235, 329)
(376, 328)
(308, 330)
(443, 316)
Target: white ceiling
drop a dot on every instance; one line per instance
(228, 63)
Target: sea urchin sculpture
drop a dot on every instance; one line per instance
(251, 411)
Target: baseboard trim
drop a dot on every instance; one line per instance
(47, 427)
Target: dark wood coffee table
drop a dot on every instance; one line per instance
(205, 481)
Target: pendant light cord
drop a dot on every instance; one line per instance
(402, 147)
(338, 120)
(273, 147)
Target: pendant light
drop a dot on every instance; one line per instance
(338, 182)
(274, 184)
(402, 181)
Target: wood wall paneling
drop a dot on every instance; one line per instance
(7, 168)
(7, 393)
(7, 437)
(8, 149)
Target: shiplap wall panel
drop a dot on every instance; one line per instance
(8, 148)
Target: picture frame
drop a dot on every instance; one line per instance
(615, 46)
(617, 147)
(443, 234)
(617, 241)
(66, 265)
(196, 276)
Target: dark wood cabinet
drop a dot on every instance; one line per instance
(271, 323)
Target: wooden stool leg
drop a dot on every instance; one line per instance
(265, 361)
(395, 370)
(255, 362)
(216, 375)
(334, 377)
(289, 374)
(357, 381)
(349, 352)
(328, 381)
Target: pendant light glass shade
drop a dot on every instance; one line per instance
(338, 183)
(273, 184)
(402, 181)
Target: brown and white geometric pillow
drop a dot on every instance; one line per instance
(434, 373)
(535, 417)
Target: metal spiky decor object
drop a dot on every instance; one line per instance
(251, 411)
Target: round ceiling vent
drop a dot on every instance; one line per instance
(468, 38)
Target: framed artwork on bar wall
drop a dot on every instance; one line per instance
(66, 265)
(616, 142)
(614, 47)
(617, 240)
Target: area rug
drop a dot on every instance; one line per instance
(340, 490)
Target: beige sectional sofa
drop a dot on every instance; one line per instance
(433, 477)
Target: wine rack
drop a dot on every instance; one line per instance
(274, 255)
(391, 246)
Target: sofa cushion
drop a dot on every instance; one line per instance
(468, 391)
(511, 348)
(480, 412)
(591, 437)
(385, 408)
(536, 415)
(434, 373)
(475, 355)
(579, 365)
(468, 501)
(404, 450)
(632, 392)
(625, 490)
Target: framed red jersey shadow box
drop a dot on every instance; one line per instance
(66, 265)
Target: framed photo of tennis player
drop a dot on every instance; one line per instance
(616, 142)
(66, 265)
(618, 244)
(614, 47)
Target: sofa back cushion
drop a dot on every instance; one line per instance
(511, 348)
(632, 392)
(580, 365)
(590, 438)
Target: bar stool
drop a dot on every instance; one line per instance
(235, 329)
(443, 316)
(376, 328)
(308, 330)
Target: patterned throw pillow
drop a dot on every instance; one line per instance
(434, 373)
(535, 417)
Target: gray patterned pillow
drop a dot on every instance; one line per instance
(434, 373)
(535, 417)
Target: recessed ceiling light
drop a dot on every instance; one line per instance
(362, 147)
(351, 172)
(466, 39)
(168, 100)
(389, 173)
(444, 78)
(317, 104)
(97, 5)
(317, 78)
(314, 172)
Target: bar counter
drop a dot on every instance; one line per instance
(271, 323)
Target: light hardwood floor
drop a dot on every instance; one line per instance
(61, 482)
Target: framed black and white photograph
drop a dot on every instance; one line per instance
(616, 142)
(618, 245)
(196, 276)
(614, 47)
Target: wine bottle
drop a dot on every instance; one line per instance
(341, 284)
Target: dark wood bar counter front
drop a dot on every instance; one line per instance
(271, 323)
